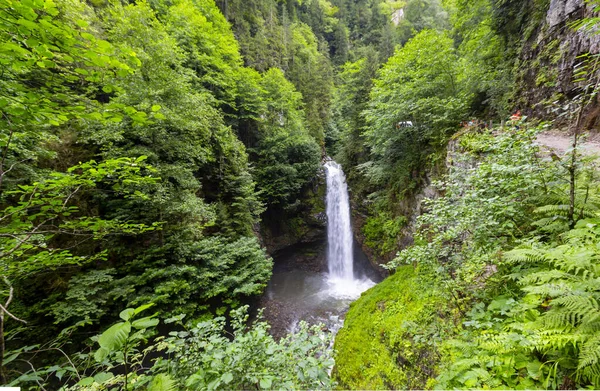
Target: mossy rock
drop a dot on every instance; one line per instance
(390, 335)
(315, 196)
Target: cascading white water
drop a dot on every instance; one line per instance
(340, 257)
(340, 252)
(324, 297)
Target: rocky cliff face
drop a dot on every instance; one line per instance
(561, 10)
(359, 218)
(307, 225)
(549, 56)
(410, 207)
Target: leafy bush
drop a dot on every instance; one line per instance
(209, 355)
(420, 83)
(546, 337)
(527, 295)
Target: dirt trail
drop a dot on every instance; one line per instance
(560, 142)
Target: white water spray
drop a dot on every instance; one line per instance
(340, 252)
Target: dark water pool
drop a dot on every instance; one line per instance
(301, 289)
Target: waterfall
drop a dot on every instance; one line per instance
(340, 257)
(301, 293)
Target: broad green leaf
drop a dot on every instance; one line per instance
(103, 377)
(126, 314)
(227, 377)
(145, 306)
(265, 383)
(10, 358)
(144, 323)
(101, 354)
(114, 338)
(87, 381)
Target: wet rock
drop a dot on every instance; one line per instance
(305, 225)
(560, 10)
(279, 315)
(549, 56)
(302, 256)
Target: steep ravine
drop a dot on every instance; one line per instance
(410, 206)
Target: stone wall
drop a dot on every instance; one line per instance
(550, 55)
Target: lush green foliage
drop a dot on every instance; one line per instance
(487, 68)
(420, 83)
(106, 83)
(272, 36)
(350, 101)
(206, 358)
(141, 144)
(206, 355)
(453, 65)
(499, 251)
(382, 231)
(547, 337)
(37, 233)
(287, 157)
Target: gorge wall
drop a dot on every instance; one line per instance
(551, 50)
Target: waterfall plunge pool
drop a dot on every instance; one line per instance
(322, 294)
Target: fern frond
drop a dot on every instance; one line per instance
(560, 320)
(550, 198)
(576, 262)
(552, 224)
(162, 382)
(466, 363)
(548, 290)
(560, 210)
(590, 323)
(548, 221)
(578, 303)
(557, 342)
(591, 374)
(589, 354)
(578, 310)
(525, 256)
(546, 276)
(586, 211)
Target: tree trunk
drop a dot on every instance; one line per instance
(2, 349)
(573, 169)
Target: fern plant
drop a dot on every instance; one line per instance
(554, 212)
(564, 284)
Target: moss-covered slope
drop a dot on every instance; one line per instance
(390, 336)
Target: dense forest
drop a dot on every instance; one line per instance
(157, 155)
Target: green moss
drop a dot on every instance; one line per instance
(316, 198)
(390, 336)
(382, 231)
(297, 227)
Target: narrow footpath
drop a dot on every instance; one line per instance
(560, 142)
